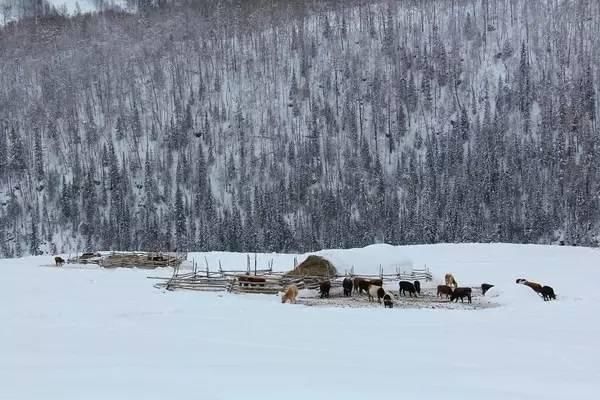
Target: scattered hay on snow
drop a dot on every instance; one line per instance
(428, 299)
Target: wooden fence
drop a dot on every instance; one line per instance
(237, 283)
(413, 275)
(266, 281)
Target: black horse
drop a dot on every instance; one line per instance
(324, 288)
(406, 286)
(417, 286)
(347, 285)
(548, 293)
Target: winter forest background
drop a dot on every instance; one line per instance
(297, 125)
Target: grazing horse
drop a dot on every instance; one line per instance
(387, 301)
(417, 286)
(406, 286)
(355, 283)
(485, 287)
(536, 287)
(363, 284)
(548, 293)
(450, 281)
(375, 291)
(444, 289)
(347, 285)
(59, 261)
(324, 288)
(291, 292)
(376, 282)
(461, 292)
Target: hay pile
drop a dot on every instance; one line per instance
(313, 266)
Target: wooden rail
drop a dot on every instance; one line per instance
(268, 282)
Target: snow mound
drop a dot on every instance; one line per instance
(514, 294)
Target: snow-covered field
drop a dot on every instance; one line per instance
(109, 334)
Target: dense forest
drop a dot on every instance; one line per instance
(294, 126)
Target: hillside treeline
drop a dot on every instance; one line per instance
(295, 126)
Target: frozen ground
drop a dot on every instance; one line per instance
(108, 334)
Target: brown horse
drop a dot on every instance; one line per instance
(355, 281)
(59, 261)
(362, 284)
(536, 287)
(290, 293)
(444, 289)
(462, 293)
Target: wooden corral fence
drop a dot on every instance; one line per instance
(415, 274)
(193, 281)
(265, 280)
(265, 284)
(237, 281)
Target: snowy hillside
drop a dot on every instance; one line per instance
(15, 10)
(294, 126)
(108, 334)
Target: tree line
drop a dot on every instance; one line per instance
(290, 126)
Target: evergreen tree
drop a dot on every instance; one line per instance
(4, 164)
(34, 239)
(121, 128)
(180, 222)
(18, 161)
(39, 156)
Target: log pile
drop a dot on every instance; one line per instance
(142, 260)
(86, 258)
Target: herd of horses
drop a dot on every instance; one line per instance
(374, 290)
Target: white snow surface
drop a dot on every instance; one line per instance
(88, 333)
